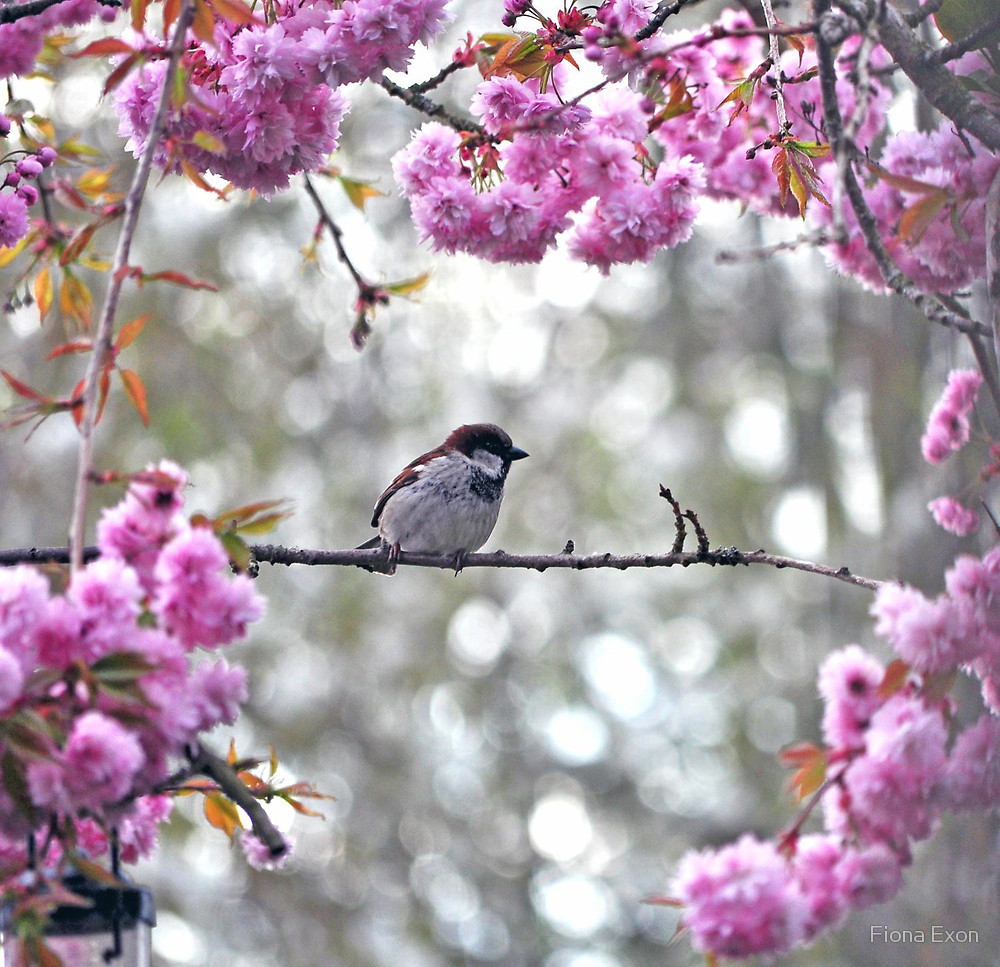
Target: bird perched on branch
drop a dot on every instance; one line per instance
(447, 500)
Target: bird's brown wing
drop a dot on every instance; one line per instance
(408, 475)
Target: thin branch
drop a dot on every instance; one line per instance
(104, 331)
(814, 238)
(224, 776)
(667, 8)
(374, 559)
(438, 79)
(337, 234)
(993, 260)
(9, 12)
(779, 93)
(961, 47)
(419, 102)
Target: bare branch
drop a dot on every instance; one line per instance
(9, 12)
(993, 260)
(667, 8)
(970, 42)
(104, 331)
(374, 559)
(420, 102)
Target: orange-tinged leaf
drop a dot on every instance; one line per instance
(809, 762)
(73, 346)
(358, 192)
(203, 23)
(105, 47)
(235, 11)
(894, 679)
(222, 813)
(135, 390)
(137, 9)
(75, 300)
(95, 181)
(22, 389)
(44, 292)
(41, 954)
(171, 9)
(177, 278)
(80, 240)
(122, 71)
(237, 517)
(194, 176)
(663, 901)
(231, 755)
(920, 215)
(130, 331)
(743, 94)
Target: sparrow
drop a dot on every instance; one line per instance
(447, 500)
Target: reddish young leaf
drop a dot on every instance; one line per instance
(177, 278)
(122, 71)
(809, 762)
(130, 331)
(74, 346)
(896, 674)
(171, 9)
(137, 9)
(194, 176)
(920, 215)
(203, 23)
(22, 389)
(235, 11)
(105, 47)
(135, 390)
(80, 240)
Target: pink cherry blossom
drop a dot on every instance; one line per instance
(741, 900)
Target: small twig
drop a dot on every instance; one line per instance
(961, 47)
(779, 93)
(916, 17)
(667, 8)
(419, 102)
(102, 345)
(439, 78)
(225, 777)
(337, 234)
(680, 532)
(817, 237)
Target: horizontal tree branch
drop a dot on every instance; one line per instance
(9, 12)
(374, 559)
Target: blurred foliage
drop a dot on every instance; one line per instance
(518, 759)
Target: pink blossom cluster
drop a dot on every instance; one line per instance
(889, 777)
(21, 41)
(919, 172)
(948, 430)
(16, 191)
(960, 628)
(265, 103)
(562, 162)
(98, 685)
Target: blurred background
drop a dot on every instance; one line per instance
(518, 759)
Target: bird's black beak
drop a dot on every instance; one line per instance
(516, 453)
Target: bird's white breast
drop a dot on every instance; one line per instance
(439, 513)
